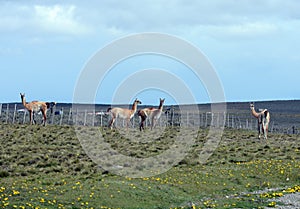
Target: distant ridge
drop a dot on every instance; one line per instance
(230, 102)
(274, 106)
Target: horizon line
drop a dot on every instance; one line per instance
(204, 103)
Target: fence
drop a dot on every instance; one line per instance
(16, 114)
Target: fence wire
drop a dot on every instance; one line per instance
(16, 114)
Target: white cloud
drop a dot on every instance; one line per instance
(230, 18)
(117, 18)
(59, 19)
(242, 31)
(35, 19)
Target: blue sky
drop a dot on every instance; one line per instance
(252, 44)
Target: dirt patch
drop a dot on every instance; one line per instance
(290, 201)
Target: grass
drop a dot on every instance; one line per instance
(46, 167)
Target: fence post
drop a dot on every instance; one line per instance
(228, 120)
(61, 116)
(167, 116)
(76, 117)
(24, 117)
(84, 122)
(0, 109)
(93, 119)
(53, 113)
(172, 117)
(201, 120)
(14, 113)
(272, 127)
(187, 119)
(70, 114)
(7, 112)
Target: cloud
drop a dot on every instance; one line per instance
(247, 18)
(59, 19)
(55, 19)
(117, 18)
(240, 31)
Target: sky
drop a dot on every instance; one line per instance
(252, 45)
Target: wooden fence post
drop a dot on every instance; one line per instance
(52, 115)
(70, 114)
(93, 119)
(187, 119)
(15, 110)
(61, 115)
(172, 117)
(24, 117)
(76, 117)
(7, 112)
(167, 116)
(85, 115)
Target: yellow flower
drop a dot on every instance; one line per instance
(193, 206)
(272, 204)
(15, 192)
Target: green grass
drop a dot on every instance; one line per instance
(46, 167)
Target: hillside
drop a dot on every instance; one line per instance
(47, 167)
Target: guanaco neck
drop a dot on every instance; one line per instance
(254, 113)
(160, 107)
(24, 102)
(134, 106)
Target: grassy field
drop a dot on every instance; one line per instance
(46, 167)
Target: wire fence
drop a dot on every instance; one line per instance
(89, 116)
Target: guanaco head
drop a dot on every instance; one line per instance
(161, 101)
(22, 96)
(136, 101)
(251, 106)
